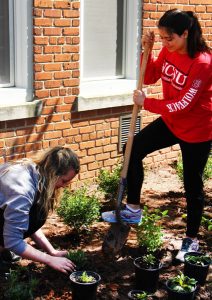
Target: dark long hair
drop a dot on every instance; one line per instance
(177, 21)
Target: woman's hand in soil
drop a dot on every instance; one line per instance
(139, 97)
(62, 264)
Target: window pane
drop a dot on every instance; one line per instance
(103, 38)
(4, 43)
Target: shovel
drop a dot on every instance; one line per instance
(117, 234)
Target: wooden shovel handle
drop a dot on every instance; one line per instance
(134, 115)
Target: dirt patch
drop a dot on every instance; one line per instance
(161, 189)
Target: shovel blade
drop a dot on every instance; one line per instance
(115, 239)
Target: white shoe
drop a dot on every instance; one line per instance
(188, 245)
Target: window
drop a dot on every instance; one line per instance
(110, 43)
(6, 44)
(16, 72)
(103, 39)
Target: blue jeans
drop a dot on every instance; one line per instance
(157, 136)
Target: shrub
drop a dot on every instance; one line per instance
(78, 209)
(109, 181)
(20, 286)
(149, 231)
(206, 174)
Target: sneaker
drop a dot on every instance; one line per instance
(9, 256)
(188, 245)
(127, 215)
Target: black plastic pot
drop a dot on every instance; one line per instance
(174, 295)
(84, 291)
(146, 279)
(196, 271)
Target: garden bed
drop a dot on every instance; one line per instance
(162, 189)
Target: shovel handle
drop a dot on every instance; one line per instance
(135, 111)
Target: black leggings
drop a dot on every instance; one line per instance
(156, 136)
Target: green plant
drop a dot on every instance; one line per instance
(86, 278)
(149, 231)
(78, 209)
(78, 257)
(200, 260)
(207, 223)
(178, 165)
(108, 181)
(182, 283)
(149, 259)
(20, 286)
(142, 295)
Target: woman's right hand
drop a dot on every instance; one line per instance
(61, 264)
(148, 39)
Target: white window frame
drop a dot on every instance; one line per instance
(16, 102)
(98, 94)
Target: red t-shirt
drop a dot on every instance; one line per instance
(186, 107)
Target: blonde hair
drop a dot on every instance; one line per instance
(53, 164)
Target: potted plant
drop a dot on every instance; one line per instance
(84, 285)
(138, 294)
(148, 265)
(196, 265)
(181, 287)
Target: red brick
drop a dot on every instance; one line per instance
(43, 76)
(42, 94)
(52, 31)
(41, 40)
(52, 13)
(62, 57)
(71, 14)
(52, 49)
(52, 67)
(52, 84)
(43, 58)
(43, 3)
(42, 22)
(62, 75)
(70, 31)
(62, 23)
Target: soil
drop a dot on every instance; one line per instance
(162, 189)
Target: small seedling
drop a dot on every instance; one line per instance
(86, 278)
(149, 259)
(142, 295)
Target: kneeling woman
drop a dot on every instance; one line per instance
(27, 194)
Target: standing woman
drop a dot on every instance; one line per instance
(184, 65)
(27, 194)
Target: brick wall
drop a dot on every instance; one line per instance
(94, 134)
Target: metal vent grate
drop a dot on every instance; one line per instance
(124, 129)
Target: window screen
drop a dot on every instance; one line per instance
(103, 39)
